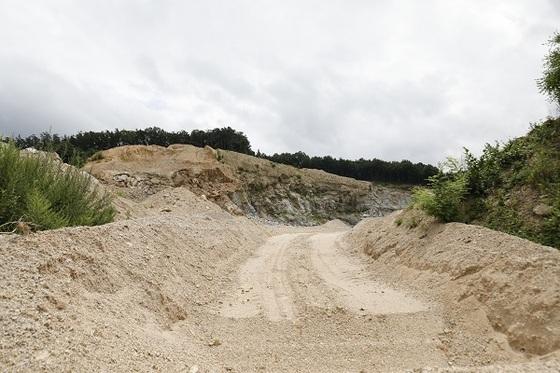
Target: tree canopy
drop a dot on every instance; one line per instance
(549, 84)
(402, 172)
(77, 148)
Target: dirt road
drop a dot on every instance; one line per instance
(210, 292)
(306, 302)
(293, 272)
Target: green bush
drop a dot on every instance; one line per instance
(424, 199)
(446, 193)
(36, 191)
(500, 188)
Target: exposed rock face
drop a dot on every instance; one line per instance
(244, 184)
(294, 200)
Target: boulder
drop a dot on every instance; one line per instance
(542, 210)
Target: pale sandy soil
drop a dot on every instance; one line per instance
(184, 286)
(315, 307)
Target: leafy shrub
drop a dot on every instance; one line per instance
(446, 192)
(501, 187)
(35, 189)
(424, 199)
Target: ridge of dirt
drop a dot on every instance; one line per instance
(513, 283)
(117, 296)
(243, 184)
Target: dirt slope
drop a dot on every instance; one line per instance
(514, 283)
(179, 284)
(244, 184)
(121, 296)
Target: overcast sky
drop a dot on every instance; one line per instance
(389, 79)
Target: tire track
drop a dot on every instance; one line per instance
(268, 284)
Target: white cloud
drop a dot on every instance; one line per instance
(385, 79)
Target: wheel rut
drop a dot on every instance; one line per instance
(268, 283)
(307, 301)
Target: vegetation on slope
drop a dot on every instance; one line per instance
(514, 188)
(36, 193)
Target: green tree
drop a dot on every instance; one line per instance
(549, 84)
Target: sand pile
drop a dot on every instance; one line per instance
(118, 295)
(179, 284)
(516, 283)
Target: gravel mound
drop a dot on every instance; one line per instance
(179, 284)
(113, 296)
(514, 281)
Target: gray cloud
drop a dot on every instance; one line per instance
(386, 79)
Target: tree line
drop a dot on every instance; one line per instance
(401, 172)
(76, 149)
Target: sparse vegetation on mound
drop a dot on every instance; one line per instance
(514, 188)
(37, 193)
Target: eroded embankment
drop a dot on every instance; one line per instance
(245, 185)
(514, 281)
(120, 296)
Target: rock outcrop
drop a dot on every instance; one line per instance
(246, 185)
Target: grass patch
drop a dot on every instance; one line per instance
(409, 218)
(36, 191)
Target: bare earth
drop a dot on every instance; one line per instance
(292, 273)
(308, 304)
(184, 286)
(243, 184)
